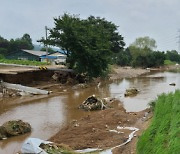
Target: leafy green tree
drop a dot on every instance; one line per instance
(4, 45)
(173, 56)
(15, 45)
(88, 43)
(143, 54)
(123, 58)
(144, 42)
(27, 41)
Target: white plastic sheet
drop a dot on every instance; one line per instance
(31, 146)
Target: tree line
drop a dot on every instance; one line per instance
(142, 53)
(92, 44)
(8, 47)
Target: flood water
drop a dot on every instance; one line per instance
(49, 115)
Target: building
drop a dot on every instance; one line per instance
(56, 58)
(27, 55)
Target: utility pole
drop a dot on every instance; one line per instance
(178, 37)
(46, 29)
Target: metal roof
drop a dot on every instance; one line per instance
(36, 53)
(58, 54)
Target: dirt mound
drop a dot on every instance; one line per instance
(14, 128)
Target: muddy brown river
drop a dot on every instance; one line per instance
(48, 116)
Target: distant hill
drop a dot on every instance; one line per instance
(37, 47)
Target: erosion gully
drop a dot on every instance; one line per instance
(47, 116)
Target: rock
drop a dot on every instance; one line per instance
(14, 128)
(172, 84)
(92, 103)
(131, 92)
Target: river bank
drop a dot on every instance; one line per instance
(95, 129)
(163, 134)
(59, 109)
(100, 130)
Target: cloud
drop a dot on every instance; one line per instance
(157, 19)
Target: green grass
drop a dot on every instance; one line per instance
(168, 62)
(23, 62)
(163, 135)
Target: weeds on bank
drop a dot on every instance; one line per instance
(23, 62)
(163, 135)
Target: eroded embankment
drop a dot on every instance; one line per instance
(27, 77)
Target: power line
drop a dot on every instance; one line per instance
(178, 37)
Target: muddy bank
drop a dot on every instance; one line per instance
(59, 89)
(126, 72)
(98, 130)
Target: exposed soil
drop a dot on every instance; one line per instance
(126, 72)
(93, 131)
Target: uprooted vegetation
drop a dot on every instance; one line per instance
(163, 134)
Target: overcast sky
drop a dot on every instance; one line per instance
(158, 19)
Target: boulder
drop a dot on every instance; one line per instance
(93, 103)
(131, 92)
(14, 128)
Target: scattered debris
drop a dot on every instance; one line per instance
(25, 89)
(69, 77)
(31, 145)
(81, 85)
(35, 145)
(93, 103)
(14, 128)
(53, 148)
(131, 92)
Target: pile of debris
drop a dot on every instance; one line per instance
(68, 77)
(10, 90)
(35, 145)
(131, 92)
(53, 148)
(4, 92)
(14, 128)
(93, 103)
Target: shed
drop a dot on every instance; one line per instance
(57, 58)
(27, 55)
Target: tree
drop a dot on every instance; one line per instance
(26, 39)
(144, 42)
(4, 45)
(143, 54)
(173, 56)
(124, 58)
(88, 43)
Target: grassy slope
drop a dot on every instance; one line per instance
(23, 62)
(163, 135)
